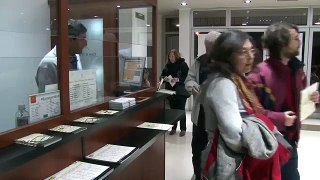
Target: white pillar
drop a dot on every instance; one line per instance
(160, 44)
(185, 34)
(185, 40)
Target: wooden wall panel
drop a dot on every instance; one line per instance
(48, 164)
(150, 165)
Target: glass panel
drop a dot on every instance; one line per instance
(315, 61)
(209, 18)
(172, 24)
(265, 17)
(28, 31)
(135, 49)
(316, 16)
(111, 38)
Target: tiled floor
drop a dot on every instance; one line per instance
(179, 165)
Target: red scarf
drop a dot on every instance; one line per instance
(251, 168)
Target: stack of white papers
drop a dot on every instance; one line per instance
(112, 153)
(68, 129)
(122, 103)
(80, 171)
(307, 107)
(87, 119)
(165, 91)
(158, 126)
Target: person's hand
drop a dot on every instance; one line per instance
(289, 118)
(195, 90)
(166, 79)
(175, 80)
(314, 97)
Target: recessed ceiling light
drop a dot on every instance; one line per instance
(118, 6)
(184, 3)
(178, 25)
(247, 1)
(317, 23)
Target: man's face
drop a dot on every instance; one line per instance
(77, 44)
(292, 49)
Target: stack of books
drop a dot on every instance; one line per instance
(38, 140)
(122, 103)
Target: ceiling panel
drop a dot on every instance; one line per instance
(171, 7)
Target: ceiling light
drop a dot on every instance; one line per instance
(148, 25)
(95, 16)
(247, 1)
(184, 3)
(317, 23)
(178, 25)
(118, 6)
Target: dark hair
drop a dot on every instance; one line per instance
(225, 47)
(75, 29)
(277, 36)
(176, 53)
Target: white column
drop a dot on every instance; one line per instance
(160, 44)
(185, 34)
(185, 40)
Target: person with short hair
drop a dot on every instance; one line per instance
(47, 73)
(196, 76)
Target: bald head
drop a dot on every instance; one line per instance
(209, 40)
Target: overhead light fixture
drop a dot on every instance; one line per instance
(118, 6)
(148, 25)
(247, 1)
(184, 3)
(317, 23)
(95, 16)
(178, 25)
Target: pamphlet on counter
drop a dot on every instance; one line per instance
(80, 171)
(112, 153)
(38, 140)
(68, 129)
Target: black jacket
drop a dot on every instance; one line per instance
(179, 69)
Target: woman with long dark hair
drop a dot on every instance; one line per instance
(242, 142)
